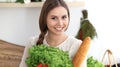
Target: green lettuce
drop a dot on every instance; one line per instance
(92, 62)
(53, 57)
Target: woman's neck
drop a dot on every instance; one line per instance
(55, 40)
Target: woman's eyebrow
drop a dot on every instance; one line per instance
(56, 15)
(53, 15)
(64, 15)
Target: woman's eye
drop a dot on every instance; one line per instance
(64, 17)
(54, 18)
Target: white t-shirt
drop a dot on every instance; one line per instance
(71, 45)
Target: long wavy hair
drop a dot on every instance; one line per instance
(47, 7)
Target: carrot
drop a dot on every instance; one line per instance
(82, 52)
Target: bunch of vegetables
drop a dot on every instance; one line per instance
(91, 62)
(44, 56)
(86, 27)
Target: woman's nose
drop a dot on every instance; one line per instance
(60, 22)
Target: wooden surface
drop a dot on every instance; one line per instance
(10, 54)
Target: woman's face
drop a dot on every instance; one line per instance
(57, 20)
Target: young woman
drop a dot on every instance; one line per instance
(53, 22)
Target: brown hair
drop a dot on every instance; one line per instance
(47, 7)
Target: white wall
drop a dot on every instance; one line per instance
(18, 24)
(104, 15)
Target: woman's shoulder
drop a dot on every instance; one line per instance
(33, 40)
(74, 40)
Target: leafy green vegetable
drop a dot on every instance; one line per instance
(86, 27)
(91, 62)
(53, 57)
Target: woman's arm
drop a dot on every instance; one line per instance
(25, 55)
(30, 43)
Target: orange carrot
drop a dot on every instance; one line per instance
(82, 52)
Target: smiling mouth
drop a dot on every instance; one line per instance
(59, 29)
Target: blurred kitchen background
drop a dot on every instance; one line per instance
(18, 24)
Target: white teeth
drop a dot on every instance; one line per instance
(58, 28)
